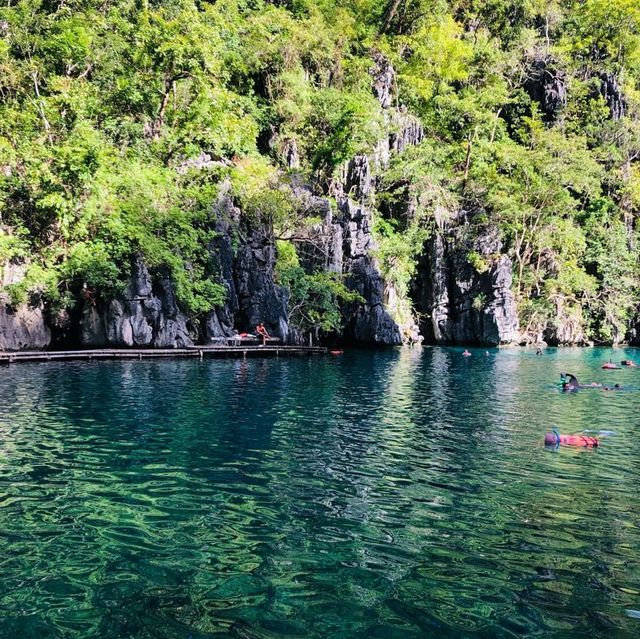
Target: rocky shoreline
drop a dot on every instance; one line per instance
(452, 301)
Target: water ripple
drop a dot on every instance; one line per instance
(398, 494)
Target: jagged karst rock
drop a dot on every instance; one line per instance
(458, 304)
(146, 315)
(22, 327)
(248, 274)
(92, 332)
(406, 131)
(356, 181)
(259, 298)
(384, 77)
(612, 93)
(290, 154)
(566, 328)
(367, 322)
(547, 85)
(633, 334)
(344, 242)
(221, 321)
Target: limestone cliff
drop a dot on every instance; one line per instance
(247, 273)
(458, 303)
(147, 315)
(22, 326)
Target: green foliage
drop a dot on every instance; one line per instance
(479, 302)
(102, 104)
(477, 262)
(397, 251)
(340, 125)
(316, 298)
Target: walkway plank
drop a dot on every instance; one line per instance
(10, 357)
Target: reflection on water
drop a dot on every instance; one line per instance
(397, 494)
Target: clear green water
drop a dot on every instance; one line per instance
(393, 495)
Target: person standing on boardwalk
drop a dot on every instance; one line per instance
(262, 331)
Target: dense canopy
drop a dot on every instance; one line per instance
(119, 121)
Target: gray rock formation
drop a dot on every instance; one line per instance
(22, 327)
(248, 275)
(367, 322)
(547, 85)
(612, 93)
(633, 334)
(347, 235)
(458, 304)
(565, 329)
(147, 315)
(384, 77)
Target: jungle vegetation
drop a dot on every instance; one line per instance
(530, 111)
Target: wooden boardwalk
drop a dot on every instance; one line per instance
(198, 352)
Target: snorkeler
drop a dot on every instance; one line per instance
(574, 384)
(555, 439)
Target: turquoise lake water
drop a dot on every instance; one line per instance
(402, 494)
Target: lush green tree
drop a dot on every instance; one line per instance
(106, 110)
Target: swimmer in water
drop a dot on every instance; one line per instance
(615, 387)
(555, 439)
(574, 384)
(466, 353)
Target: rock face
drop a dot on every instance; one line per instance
(547, 85)
(248, 275)
(384, 77)
(566, 328)
(147, 315)
(24, 326)
(367, 322)
(458, 304)
(611, 92)
(347, 235)
(633, 335)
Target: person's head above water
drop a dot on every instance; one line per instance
(551, 439)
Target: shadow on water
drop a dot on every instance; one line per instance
(379, 494)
